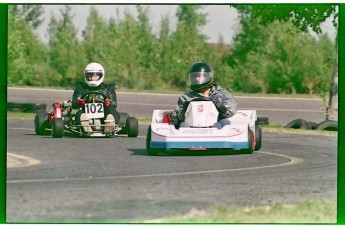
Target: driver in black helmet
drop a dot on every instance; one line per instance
(201, 84)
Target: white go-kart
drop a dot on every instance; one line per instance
(242, 134)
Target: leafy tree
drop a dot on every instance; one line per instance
(94, 38)
(303, 16)
(66, 56)
(126, 52)
(187, 42)
(30, 13)
(26, 54)
(147, 46)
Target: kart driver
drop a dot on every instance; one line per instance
(94, 75)
(202, 86)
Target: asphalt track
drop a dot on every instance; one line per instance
(102, 180)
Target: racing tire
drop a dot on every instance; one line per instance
(312, 125)
(251, 142)
(32, 108)
(151, 151)
(328, 125)
(132, 127)
(262, 119)
(258, 137)
(15, 107)
(262, 123)
(41, 123)
(57, 127)
(298, 124)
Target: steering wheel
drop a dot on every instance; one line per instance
(87, 96)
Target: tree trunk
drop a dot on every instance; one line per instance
(332, 113)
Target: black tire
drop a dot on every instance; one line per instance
(132, 127)
(258, 137)
(32, 108)
(57, 127)
(41, 123)
(328, 125)
(262, 123)
(262, 119)
(15, 107)
(312, 125)
(151, 151)
(251, 142)
(297, 124)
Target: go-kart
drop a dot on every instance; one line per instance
(61, 119)
(201, 116)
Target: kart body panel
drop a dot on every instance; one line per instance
(233, 136)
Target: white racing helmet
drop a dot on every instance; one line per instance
(91, 69)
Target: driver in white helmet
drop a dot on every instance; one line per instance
(94, 75)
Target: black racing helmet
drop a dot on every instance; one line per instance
(200, 76)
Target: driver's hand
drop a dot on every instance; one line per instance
(81, 102)
(106, 103)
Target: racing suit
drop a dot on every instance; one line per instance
(108, 89)
(223, 100)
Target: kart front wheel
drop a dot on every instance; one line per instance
(41, 123)
(132, 127)
(57, 127)
(149, 149)
(258, 136)
(251, 142)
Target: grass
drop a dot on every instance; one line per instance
(147, 121)
(308, 211)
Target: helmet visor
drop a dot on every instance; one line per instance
(93, 76)
(199, 78)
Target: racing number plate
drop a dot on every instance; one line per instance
(94, 110)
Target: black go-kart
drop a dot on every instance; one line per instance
(60, 120)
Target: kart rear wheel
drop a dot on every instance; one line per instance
(132, 127)
(57, 127)
(258, 136)
(41, 123)
(251, 142)
(151, 151)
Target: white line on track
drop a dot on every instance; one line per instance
(14, 160)
(292, 161)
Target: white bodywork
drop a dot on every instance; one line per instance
(201, 116)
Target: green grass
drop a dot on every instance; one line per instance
(308, 211)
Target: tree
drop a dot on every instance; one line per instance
(66, 55)
(303, 16)
(30, 13)
(26, 54)
(187, 42)
(94, 37)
